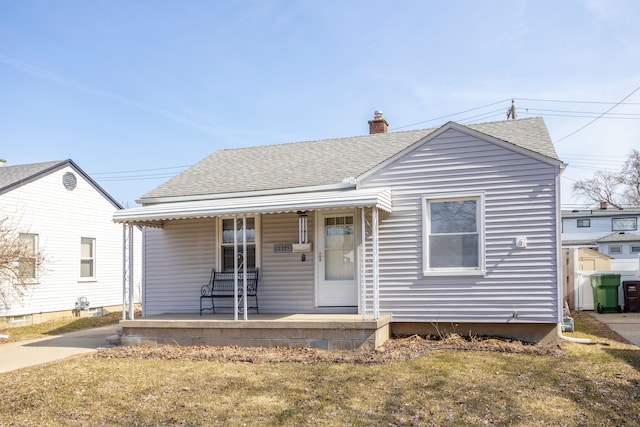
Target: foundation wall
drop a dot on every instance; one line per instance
(528, 332)
(327, 335)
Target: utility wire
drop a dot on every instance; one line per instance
(450, 115)
(140, 170)
(592, 121)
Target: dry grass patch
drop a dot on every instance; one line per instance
(495, 385)
(57, 327)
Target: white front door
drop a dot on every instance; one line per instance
(337, 284)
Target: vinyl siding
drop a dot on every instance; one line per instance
(519, 200)
(180, 256)
(286, 282)
(178, 261)
(60, 218)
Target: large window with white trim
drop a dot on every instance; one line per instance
(227, 243)
(453, 236)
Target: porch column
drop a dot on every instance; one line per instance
(244, 267)
(235, 267)
(131, 288)
(124, 271)
(363, 266)
(374, 250)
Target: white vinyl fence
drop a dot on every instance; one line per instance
(629, 269)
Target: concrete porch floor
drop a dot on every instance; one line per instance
(325, 331)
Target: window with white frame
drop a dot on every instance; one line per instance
(28, 263)
(453, 241)
(87, 258)
(624, 224)
(615, 249)
(227, 243)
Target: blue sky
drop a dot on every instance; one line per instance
(135, 91)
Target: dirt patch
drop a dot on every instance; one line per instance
(397, 348)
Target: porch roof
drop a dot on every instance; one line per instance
(154, 215)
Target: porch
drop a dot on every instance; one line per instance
(324, 331)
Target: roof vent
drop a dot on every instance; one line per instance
(69, 181)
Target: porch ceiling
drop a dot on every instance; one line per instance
(269, 204)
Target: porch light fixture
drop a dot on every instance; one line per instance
(303, 244)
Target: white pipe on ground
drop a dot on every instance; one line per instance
(572, 339)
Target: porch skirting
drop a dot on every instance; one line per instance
(323, 331)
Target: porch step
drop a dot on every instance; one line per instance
(115, 340)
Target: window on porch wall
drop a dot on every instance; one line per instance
(227, 249)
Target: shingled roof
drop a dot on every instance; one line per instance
(14, 176)
(313, 163)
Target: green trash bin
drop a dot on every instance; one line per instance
(605, 292)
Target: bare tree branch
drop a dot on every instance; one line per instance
(20, 264)
(630, 177)
(601, 188)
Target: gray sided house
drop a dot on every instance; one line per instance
(455, 228)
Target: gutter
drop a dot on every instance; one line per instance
(347, 183)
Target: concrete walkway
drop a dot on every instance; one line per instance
(625, 324)
(22, 354)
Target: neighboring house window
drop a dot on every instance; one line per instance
(635, 249)
(28, 264)
(584, 223)
(87, 257)
(453, 240)
(624, 224)
(227, 249)
(615, 249)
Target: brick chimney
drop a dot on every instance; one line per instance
(378, 124)
(603, 205)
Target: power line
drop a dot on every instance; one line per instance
(592, 121)
(139, 170)
(450, 115)
(578, 102)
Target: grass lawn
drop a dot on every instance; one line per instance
(586, 385)
(56, 327)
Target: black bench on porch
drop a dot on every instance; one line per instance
(222, 284)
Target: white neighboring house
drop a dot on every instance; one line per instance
(64, 213)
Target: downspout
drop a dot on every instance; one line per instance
(559, 267)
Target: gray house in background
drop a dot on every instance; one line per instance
(611, 231)
(454, 228)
